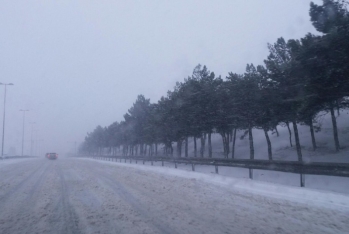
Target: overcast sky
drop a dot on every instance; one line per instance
(79, 64)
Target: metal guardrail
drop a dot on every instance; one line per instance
(302, 168)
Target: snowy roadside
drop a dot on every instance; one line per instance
(6, 162)
(329, 200)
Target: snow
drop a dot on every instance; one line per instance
(91, 196)
(7, 162)
(281, 145)
(328, 200)
(325, 183)
(282, 151)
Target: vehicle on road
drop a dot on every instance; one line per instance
(51, 155)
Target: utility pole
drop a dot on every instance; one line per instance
(3, 121)
(31, 141)
(23, 129)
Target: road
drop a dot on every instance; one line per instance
(85, 196)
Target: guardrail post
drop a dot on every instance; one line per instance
(162, 162)
(143, 162)
(175, 164)
(251, 173)
(302, 177)
(152, 162)
(136, 161)
(125, 160)
(193, 167)
(130, 161)
(216, 169)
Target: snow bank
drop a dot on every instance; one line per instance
(6, 162)
(329, 200)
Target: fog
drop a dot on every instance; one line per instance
(79, 64)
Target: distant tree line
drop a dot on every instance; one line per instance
(298, 80)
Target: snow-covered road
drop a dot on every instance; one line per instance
(86, 196)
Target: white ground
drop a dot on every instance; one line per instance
(325, 183)
(88, 196)
(282, 151)
(281, 145)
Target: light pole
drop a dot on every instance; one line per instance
(3, 121)
(23, 129)
(31, 141)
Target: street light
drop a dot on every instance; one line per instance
(3, 121)
(23, 129)
(31, 141)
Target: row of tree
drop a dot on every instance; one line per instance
(299, 79)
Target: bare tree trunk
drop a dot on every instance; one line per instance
(276, 130)
(186, 147)
(195, 147)
(251, 142)
(203, 141)
(171, 150)
(227, 144)
(233, 147)
(335, 130)
(156, 149)
(312, 133)
(289, 131)
(270, 155)
(298, 144)
(210, 145)
(179, 148)
(337, 106)
(225, 139)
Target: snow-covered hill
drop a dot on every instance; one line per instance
(281, 145)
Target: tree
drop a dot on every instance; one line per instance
(326, 57)
(283, 69)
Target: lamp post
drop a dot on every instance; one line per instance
(31, 141)
(3, 121)
(23, 129)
